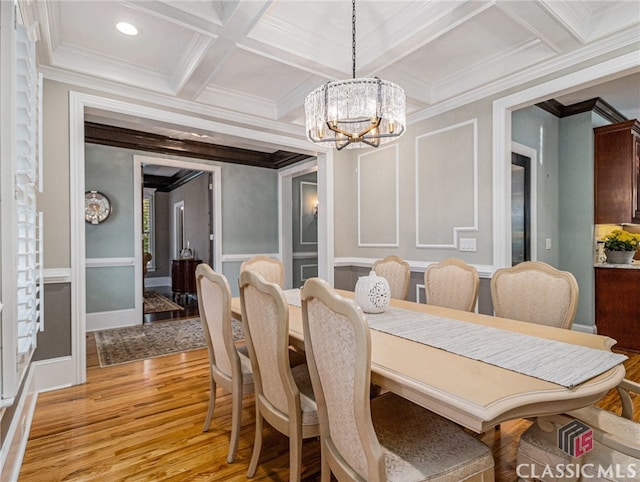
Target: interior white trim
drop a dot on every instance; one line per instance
(57, 275)
(77, 104)
(106, 320)
(285, 221)
(14, 443)
(457, 229)
(502, 108)
(216, 214)
(484, 271)
(158, 281)
(239, 258)
(396, 161)
(306, 183)
(109, 262)
(532, 154)
(305, 254)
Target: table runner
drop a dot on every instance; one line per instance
(551, 360)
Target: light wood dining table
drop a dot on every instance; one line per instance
(472, 393)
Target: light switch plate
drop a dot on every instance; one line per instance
(467, 244)
(548, 243)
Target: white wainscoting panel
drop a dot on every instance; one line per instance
(446, 176)
(378, 198)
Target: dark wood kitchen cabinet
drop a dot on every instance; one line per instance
(183, 275)
(617, 173)
(618, 305)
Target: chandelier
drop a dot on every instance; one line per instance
(355, 112)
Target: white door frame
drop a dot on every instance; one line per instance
(216, 213)
(285, 177)
(532, 155)
(502, 108)
(78, 102)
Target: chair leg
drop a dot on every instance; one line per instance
(257, 445)
(212, 403)
(236, 420)
(325, 469)
(295, 457)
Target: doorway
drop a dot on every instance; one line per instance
(520, 208)
(188, 214)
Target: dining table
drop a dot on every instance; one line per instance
(471, 392)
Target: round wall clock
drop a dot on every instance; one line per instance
(97, 207)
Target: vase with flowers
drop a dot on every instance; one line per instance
(620, 246)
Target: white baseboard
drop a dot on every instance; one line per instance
(155, 282)
(112, 319)
(15, 442)
(584, 328)
(54, 373)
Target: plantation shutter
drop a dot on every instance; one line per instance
(22, 263)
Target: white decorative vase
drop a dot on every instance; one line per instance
(372, 293)
(620, 257)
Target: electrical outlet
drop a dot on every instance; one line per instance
(548, 243)
(467, 244)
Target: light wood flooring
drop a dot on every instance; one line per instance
(142, 421)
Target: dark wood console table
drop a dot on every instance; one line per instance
(183, 275)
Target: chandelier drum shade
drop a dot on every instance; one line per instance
(352, 112)
(355, 112)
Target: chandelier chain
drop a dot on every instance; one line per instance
(353, 37)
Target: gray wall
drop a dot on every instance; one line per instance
(110, 171)
(197, 217)
(538, 129)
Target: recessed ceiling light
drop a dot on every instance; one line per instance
(127, 28)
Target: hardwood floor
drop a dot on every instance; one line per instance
(142, 421)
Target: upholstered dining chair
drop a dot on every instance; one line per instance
(387, 438)
(271, 269)
(452, 283)
(397, 273)
(284, 396)
(536, 292)
(230, 367)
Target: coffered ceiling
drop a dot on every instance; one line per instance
(253, 62)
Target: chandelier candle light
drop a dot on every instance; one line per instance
(355, 112)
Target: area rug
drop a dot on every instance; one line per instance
(154, 302)
(133, 343)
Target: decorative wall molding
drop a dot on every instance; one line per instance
(57, 275)
(474, 173)
(305, 255)
(109, 262)
(304, 277)
(395, 201)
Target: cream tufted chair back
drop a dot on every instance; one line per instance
(536, 292)
(229, 367)
(387, 438)
(284, 396)
(397, 273)
(452, 283)
(271, 269)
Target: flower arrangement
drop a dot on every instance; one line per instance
(619, 240)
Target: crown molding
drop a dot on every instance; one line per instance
(597, 105)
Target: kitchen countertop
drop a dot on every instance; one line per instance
(634, 265)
